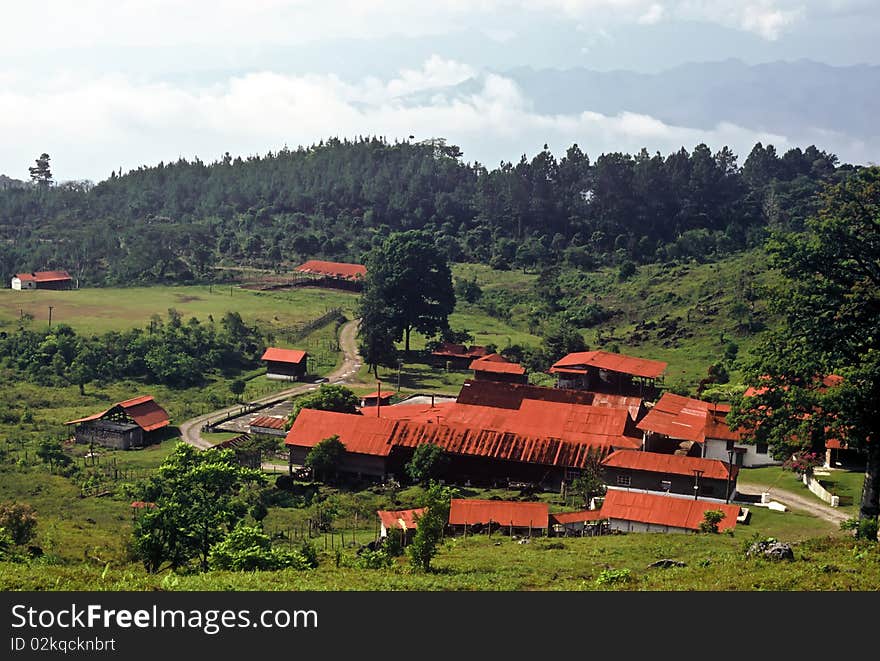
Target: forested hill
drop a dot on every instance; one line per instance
(174, 222)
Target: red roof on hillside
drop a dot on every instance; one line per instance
(144, 411)
(576, 517)
(360, 434)
(277, 355)
(664, 510)
(44, 276)
(452, 350)
(402, 519)
(342, 270)
(655, 462)
(613, 362)
(504, 512)
(497, 365)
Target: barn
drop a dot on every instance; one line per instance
(496, 367)
(403, 520)
(613, 373)
(42, 280)
(457, 356)
(133, 423)
(285, 364)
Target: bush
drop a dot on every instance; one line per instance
(711, 519)
(247, 548)
(20, 522)
(614, 576)
(377, 559)
(864, 528)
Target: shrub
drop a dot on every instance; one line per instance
(711, 519)
(20, 522)
(377, 559)
(247, 548)
(864, 528)
(614, 576)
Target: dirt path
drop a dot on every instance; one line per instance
(191, 430)
(797, 501)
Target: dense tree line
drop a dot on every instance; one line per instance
(337, 199)
(171, 352)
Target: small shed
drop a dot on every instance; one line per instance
(457, 356)
(582, 522)
(133, 423)
(496, 367)
(270, 425)
(405, 520)
(285, 364)
(338, 275)
(376, 398)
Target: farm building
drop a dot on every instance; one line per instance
(583, 522)
(542, 442)
(513, 516)
(511, 396)
(684, 425)
(404, 520)
(495, 367)
(613, 373)
(42, 280)
(376, 398)
(457, 356)
(133, 423)
(285, 364)
(270, 425)
(339, 275)
(634, 511)
(670, 473)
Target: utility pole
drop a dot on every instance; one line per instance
(51, 307)
(729, 472)
(697, 473)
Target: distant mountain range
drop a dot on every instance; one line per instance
(803, 100)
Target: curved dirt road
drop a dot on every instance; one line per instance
(797, 501)
(191, 430)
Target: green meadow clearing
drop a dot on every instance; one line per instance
(95, 310)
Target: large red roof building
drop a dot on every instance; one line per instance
(42, 280)
(614, 373)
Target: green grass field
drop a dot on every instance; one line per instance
(101, 310)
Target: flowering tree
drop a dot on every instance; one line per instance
(802, 463)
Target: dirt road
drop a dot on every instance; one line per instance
(191, 430)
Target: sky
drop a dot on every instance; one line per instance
(104, 85)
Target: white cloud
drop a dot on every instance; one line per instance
(654, 14)
(93, 126)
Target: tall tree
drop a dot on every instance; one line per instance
(830, 300)
(40, 173)
(329, 397)
(376, 333)
(412, 277)
(198, 500)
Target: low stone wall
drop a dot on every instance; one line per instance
(814, 486)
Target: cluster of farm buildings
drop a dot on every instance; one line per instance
(666, 458)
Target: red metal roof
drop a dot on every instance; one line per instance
(268, 422)
(576, 517)
(504, 512)
(452, 350)
(511, 395)
(385, 394)
(489, 364)
(144, 411)
(601, 427)
(342, 270)
(367, 434)
(141, 504)
(403, 519)
(655, 462)
(44, 276)
(613, 362)
(277, 355)
(688, 419)
(664, 510)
